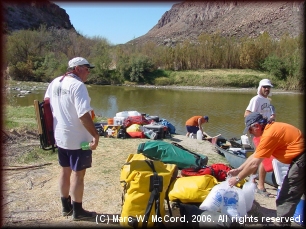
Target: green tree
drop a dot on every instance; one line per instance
(140, 65)
(275, 66)
(100, 56)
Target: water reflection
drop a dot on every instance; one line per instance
(224, 108)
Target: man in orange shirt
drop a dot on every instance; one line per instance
(195, 123)
(286, 143)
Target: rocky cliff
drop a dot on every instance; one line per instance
(33, 14)
(187, 20)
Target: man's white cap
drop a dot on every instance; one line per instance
(265, 82)
(77, 61)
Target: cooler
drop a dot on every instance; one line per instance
(159, 129)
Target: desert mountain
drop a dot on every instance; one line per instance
(187, 20)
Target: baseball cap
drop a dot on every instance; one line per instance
(250, 119)
(77, 61)
(265, 82)
(206, 118)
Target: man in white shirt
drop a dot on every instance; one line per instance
(261, 104)
(72, 124)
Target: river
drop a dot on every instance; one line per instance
(225, 107)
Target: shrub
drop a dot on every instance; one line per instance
(275, 66)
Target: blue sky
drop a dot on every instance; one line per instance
(118, 22)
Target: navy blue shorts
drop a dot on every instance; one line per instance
(192, 129)
(77, 159)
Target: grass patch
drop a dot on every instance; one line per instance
(163, 81)
(240, 78)
(36, 155)
(20, 118)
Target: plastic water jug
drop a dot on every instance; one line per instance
(230, 203)
(199, 135)
(249, 192)
(245, 140)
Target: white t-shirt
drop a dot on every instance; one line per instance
(69, 100)
(260, 104)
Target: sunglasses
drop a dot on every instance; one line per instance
(88, 69)
(266, 87)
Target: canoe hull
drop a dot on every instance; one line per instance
(236, 160)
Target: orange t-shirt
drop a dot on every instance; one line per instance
(193, 121)
(281, 140)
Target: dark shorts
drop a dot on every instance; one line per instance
(192, 129)
(77, 160)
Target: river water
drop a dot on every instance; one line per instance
(225, 108)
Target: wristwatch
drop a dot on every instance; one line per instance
(237, 179)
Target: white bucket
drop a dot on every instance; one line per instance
(280, 170)
(199, 135)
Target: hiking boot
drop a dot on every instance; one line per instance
(67, 206)
(83, 215)
(80, 214)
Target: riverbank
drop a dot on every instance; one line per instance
(16, 86)
(274, 91)
(31, 196)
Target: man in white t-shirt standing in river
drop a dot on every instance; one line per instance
(261, 104)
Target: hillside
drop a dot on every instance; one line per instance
(187, 20)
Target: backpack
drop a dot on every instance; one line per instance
(170, 127)
(145, 187)
(172, 153)
(217, 170)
